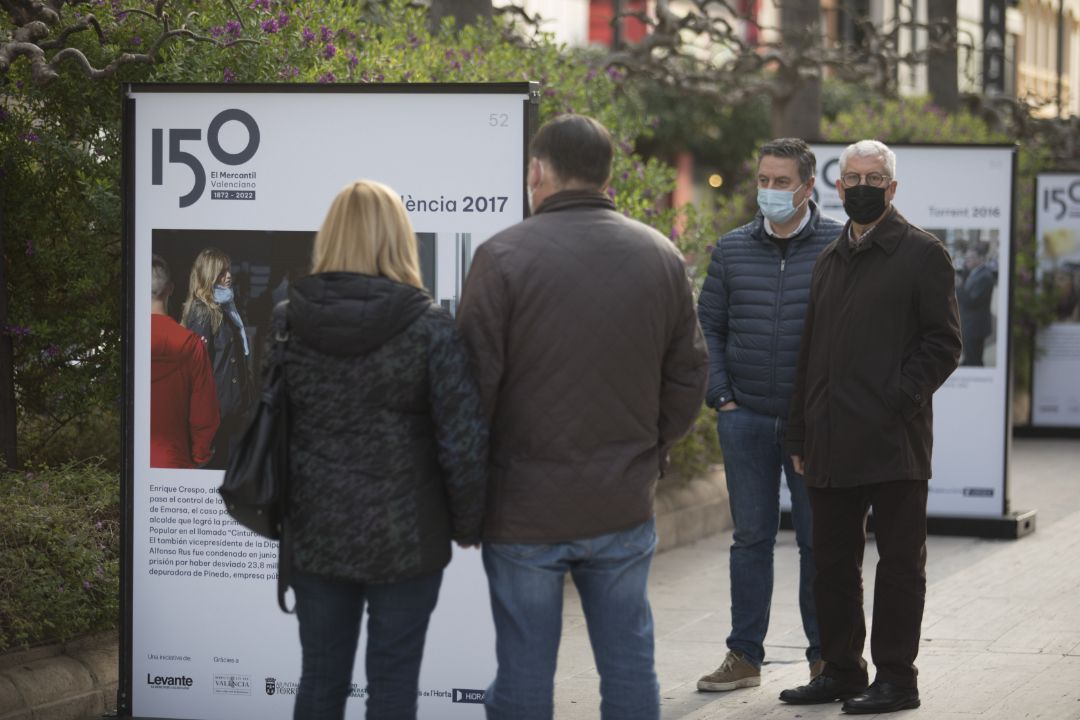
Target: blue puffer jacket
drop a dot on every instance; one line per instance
(752, 308)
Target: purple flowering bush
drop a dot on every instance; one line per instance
(59, 561)
(59, 209)
(316, 42)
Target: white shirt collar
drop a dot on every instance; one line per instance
(796, 231)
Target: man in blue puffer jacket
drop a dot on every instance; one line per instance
(751, 310)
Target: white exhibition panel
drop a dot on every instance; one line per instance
(962, 195)
(1055, 393)
(207, 638)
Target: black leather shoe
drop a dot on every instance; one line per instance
(822, 689)
(882, 697)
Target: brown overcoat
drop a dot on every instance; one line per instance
(586, 347)
(882, 334)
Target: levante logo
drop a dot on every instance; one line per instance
(171, 682)
(213, 143)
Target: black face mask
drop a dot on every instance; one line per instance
(864, 203)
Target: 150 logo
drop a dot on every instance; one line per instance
(1064, 200)
(213, 142)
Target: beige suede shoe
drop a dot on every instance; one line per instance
(735, 672)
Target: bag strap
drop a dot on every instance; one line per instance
(280, 328)
(284, 571)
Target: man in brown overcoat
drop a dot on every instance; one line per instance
(882, 334)
(581, 327)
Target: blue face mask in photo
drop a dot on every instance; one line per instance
(777, 205)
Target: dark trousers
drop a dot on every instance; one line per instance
(900, 584)
(973, 351)
(329, 612)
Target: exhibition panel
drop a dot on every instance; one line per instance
(249, 171)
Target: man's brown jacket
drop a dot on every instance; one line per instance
(881, 335)
(585, 343)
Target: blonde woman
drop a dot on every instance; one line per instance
(210, 312)
(387, 454)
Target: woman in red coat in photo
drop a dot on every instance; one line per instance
(183, 400)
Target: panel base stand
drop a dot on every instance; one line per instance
(1039, 431)
(1007, 527)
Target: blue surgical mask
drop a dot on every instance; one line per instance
(222, 294)
(777, 205)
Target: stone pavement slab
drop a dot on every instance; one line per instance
(1001, 632)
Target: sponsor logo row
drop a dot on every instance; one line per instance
(222, 684)
(237, 684)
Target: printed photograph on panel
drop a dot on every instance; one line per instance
(444, 263)
(1060, 268)
(975, 254)
(212, 294)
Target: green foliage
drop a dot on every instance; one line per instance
(693, 455)
(61, 248)
(313, 41)
(838, 96)
(705, 223)
(718, 134)
(907, 120)
(1033, 306)
(59, 563)
(60, 243)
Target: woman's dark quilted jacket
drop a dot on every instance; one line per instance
(388, 445)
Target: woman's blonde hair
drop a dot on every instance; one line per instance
(207, 268)
(367, 231)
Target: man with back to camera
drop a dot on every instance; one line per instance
(183, 398)
(581, 327)
(751, 308)
(881, 336)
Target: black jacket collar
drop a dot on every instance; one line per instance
(886, 234)
(572, 199)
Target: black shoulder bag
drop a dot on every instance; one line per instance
(255, 489)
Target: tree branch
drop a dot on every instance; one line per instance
(36, 20)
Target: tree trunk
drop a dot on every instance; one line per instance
(8, 434)
(941, 67)
(464, 12)
(797, 113)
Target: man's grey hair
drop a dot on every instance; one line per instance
(870, 149)
(160, 281)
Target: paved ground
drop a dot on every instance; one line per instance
(1001, 633)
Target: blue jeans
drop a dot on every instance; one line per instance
(526, 583)
(753, 456)
(330, 611)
